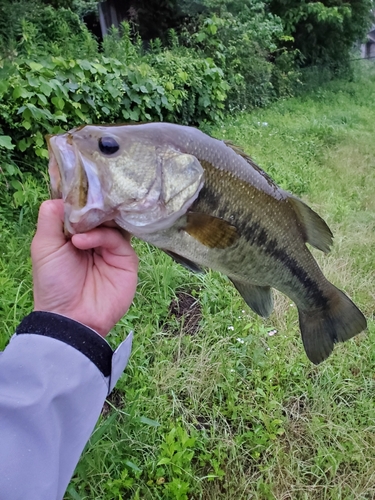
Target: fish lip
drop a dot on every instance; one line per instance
(54, 169)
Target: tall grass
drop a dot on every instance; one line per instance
(236, 411)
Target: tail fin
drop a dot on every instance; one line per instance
(321, 330)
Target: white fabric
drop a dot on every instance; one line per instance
(50, 398)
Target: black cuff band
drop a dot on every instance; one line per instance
(79, 336)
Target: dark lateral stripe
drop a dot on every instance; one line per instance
(72, 333)
(257, 235)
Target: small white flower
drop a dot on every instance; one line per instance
(291, 305)
(232, 371)
(243, 311)
(241, 341)
(231, 328)
(271, 333)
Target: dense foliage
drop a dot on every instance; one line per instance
(325, 31)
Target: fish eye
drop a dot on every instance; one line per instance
(108, 145)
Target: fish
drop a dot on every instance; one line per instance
(207, 204)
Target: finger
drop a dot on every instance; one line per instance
(106, 238)
(123, 232)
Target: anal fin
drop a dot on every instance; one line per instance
(258, 298)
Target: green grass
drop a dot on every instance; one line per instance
(233, 412)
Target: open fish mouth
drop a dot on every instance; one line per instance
(76, 182)
(54, 171)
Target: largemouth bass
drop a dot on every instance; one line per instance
(207, 204)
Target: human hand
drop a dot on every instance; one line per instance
(90, 278)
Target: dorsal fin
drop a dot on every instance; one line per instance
(316, 231)
(250, 161)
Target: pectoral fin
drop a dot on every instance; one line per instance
(188, 264)
(316, 231)
(211, 231)
(259, 298)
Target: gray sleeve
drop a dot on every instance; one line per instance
(51, 394)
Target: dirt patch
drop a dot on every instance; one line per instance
(186, 309)
(115, 399)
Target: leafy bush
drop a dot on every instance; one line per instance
(32, 28)
(52, 94)
(243, 38)
(324, 32)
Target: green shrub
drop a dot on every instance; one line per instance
(32, 28)
(243, 40)
(324, 32)
(53, 94)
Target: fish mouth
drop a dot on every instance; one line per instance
(70, 180)
(53, 170)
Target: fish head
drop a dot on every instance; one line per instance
(127, 173)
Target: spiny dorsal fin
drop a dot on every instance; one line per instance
(316, 231)
(249, 160)
(211, 231)
(259, 298)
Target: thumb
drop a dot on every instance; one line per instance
(49, 234)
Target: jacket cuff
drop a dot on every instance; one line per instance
(73, 333)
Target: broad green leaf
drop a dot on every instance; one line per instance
(85, 64)
(35, 66)
(42, 99)
(134, 115)
(46, 89)
(11, 170)
(16, 184)
(21, 92)
(39, 140)
(60, 116)
(80, 115)
(58, 102)
(42, 153)
(23, 144)
(26, 124)
(19, 198)
(33, 82)
(6, 142)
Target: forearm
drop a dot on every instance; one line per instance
(51, 393)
